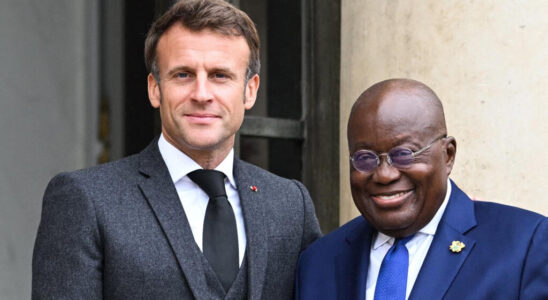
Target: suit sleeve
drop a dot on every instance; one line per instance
(67, 258)
(535, 272)
(311, 227)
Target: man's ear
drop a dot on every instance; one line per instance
(252, 86)
(450, 152)
(154, 94)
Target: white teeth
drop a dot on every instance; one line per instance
(388, 197)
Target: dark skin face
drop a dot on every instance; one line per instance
(399, 202)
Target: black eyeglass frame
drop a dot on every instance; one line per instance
(389, 159)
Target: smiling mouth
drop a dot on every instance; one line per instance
(201, 118)
(201, 115)
(391, 200)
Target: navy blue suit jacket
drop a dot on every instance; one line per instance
(506, 256)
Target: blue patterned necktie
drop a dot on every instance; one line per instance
(392, 279)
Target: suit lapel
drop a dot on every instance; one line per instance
(352, 274)
(159, 191)
(255, 227)
(442, 265)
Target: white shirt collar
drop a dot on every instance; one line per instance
(428, 229)
(179, 164)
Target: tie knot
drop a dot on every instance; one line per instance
(210, 181)
(403, 241)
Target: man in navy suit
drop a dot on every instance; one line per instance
(420, 236)
(141, 227)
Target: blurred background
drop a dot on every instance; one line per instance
(73, 92)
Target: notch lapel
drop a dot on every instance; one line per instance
(255, 227)
(159, 191)
(352, 274)
(441, 265)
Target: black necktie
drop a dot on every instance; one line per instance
(220, 238)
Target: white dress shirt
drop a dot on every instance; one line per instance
(417, 247)
(194, 199)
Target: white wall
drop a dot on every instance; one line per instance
(487, 61)
(48, 92)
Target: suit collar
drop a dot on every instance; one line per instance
(159, 190)
(351, 282)
(150, 159)
(441, 265)
(460, 212)
(254, 217)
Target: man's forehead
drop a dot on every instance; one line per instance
(394, 107)
(398, 117)
(372, 142)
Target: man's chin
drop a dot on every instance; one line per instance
(392, 224)
(208, 143)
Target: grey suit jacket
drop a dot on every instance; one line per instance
(119, 231)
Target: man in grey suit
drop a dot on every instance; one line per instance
(141, 227)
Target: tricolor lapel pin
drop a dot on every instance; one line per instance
(457, 246)
(253, 188)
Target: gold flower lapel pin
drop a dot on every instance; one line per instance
(457, 246)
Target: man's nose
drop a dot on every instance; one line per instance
(385, 173)
(202, 89)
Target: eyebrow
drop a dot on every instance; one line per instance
(178, 69)
(223, 70)
(185, 68)
(400, 141)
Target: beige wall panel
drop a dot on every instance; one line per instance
(488, 63)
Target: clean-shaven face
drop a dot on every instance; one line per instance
(202, 94)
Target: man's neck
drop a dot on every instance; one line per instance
(206, 158)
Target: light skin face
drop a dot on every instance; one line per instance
(202, 93)
(399, 202)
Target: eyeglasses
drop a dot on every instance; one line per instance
(400, 157)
